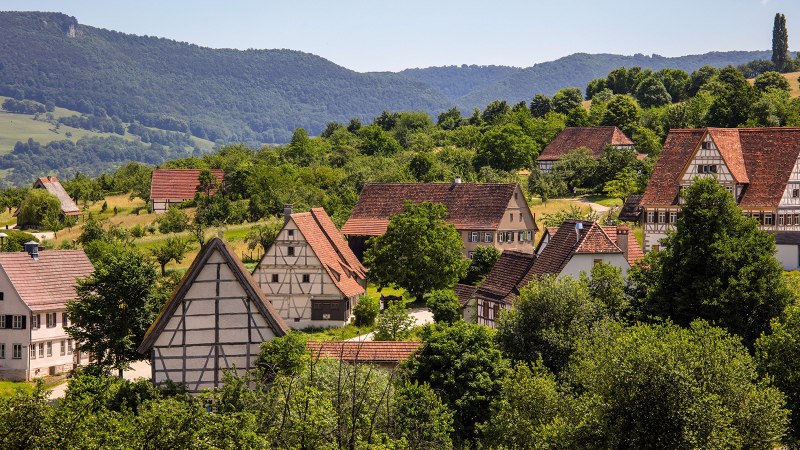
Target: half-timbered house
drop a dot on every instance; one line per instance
(215, 321)
(760, 167)
(310, 274)
(595, 139)
(485, 214)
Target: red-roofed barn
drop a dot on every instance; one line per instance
(175, 186)
(595, 139)
(53, 186)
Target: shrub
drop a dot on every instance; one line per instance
(366, 311)
(172, 221)
(444, 305)
(394, 324)
(137, 231)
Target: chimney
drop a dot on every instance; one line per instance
(622, 239)
(32, 248)
(578, 228)
(287, 212)
(457, 180)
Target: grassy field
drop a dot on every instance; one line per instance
(794, 84)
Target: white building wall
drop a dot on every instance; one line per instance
(12, 304)
(583, 262)
(788, 256)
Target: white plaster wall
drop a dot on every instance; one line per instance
(14, 368)
(789, 256)
(583, 262)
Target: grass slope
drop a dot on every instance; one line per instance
(794, 84)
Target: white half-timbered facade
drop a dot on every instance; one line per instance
(215, 321)
(310, 274)
(760, 167)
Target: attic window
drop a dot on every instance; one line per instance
(706, 145)
(291, 233)
(795, 194)
(274, 277)
(707, 168)
(306, 278)
(290, 251)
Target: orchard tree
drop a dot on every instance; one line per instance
(173, 249)
(394, 324)
(718, 266)
(173, 221)
(419, 252)
(39, 207)
(577, 168)
(114, 308)
(444, 305)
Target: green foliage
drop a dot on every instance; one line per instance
(283, 356)
(567, 99)
(419, 252)
(663, 386)
(114, 307)
(172, 221)
(421, 419)
(780, 42)
(173, 249)
(623, 112)
(38, 208)
(607, 287)
(540, 105)
(576, 168)
(550, 317)
(507, 148)
(718, 266)
(461, 363)
(652, 93)
(771, 80)
(733, 98)
(574, 212)
(263, 235)
(444, 305)
(394, 324)
(15, 242)
(483, 259)
(366, 310)
(495, 113)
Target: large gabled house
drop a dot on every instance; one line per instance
(574, 247)
(595, 139)
(34, 290)
(215, 321)
(170, 187)
(485, 214)
(310, 274)
(760, 167)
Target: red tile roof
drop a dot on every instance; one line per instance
(332, 250)
(502, 281)
(635, 252)
(363, 351)
(761, 158)
(177, 184)
(50, 282)
(53, 186)
(470, 206)
(594, 138)
(464, 292)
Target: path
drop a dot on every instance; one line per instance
(44, 235)
(596, 207)
(421, 317)
(139, 369)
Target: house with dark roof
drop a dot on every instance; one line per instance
(385, 354)
(310, 274)
(215, 321)
(53, 186)
(760, 167)
(500, 288)
(485, 214)
(174, 186)
(35, 287)
(631, 210)
(595, 139)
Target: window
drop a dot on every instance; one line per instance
(650, 216)
(487, 237)
(64, 320)
(36, 319)
(781, 219)
(290, 233)
(51, 320)
(2, 351)
(274, 277)
(795, 194)
(511, 217)
(328, 310)
(41, 349)
(521, 236)
(18, 322)
(520, 217)
(17, 351)
(530, 235)
(63, 348)
(49, 349)
(662, 217)
(501, 237)
(510, 236)
(33, 351)
(473, 236)
(290, 251)
(3, 323)
(2, 297)
(69, 346)
(768, 220)
(656, 248)
(470, 255)
(673, 216)
(706, 145)
(306, 278)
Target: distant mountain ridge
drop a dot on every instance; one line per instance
(261, 96)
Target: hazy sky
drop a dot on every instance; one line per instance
(379, 35)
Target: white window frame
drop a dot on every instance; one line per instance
(63, 347)
(36, 321)
(501, 236)
(33, 350)
(474, 236)
(2, 321)
(51, 320)
(769, 219)
(662, 217)
(16, 322)
(673, 216)
(651, 216)
(16, 351)
(70, 346)
(290, 233)
(487, 237)
(41, 349)
(49, 349)
(64, 320)
(290, 251)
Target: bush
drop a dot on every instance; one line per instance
(366, 310)
(172, 221)
(394, 324)
(137, 231)
(444, 305)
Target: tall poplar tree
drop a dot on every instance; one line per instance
(780, 43)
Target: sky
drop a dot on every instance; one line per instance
(377, 35)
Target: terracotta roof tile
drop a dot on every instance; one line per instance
(363, 351)
(50, 282)
(502, 281)
(53, 186)
(177, 184)
(332, 250)
(464, 292)
(635, 252)
(768, 156)
(594, 138)
(470, 206)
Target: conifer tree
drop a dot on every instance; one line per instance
(780, 43)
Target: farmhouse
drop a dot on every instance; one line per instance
(760, 167)
(53, 186)
(491, 214)
(574, 247)
(595, 139)
(34, 290)
(216, 320)
(174, 186)
(384, 354)
(309, 272)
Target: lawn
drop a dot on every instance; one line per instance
(7, 388)
(552, 206)
(335, 334)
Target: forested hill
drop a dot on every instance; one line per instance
(253, 95)
(476, 86)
